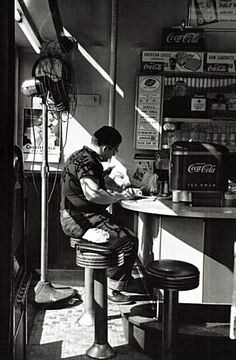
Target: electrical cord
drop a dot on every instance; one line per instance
(34, 147)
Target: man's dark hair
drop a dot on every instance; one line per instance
(107, 135)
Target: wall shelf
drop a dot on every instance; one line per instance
(231, 149)
(194, 120)
(204, 74)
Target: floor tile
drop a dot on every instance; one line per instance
(56, 334)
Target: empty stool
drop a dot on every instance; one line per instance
(171, 276)
(97, 257)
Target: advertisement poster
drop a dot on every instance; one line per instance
(174, 61)
(213, 14)
(142, 168)
(220, 62)
(33, 136)
(149, 112)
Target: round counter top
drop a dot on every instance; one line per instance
(152, 205)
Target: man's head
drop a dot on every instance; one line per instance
(107, 140)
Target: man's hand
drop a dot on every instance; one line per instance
(131, 193)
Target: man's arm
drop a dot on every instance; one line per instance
(95, 194)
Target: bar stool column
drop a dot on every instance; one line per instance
(101, 349)
(87, 318)
(169, 324)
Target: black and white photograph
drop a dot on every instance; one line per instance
(118, 180)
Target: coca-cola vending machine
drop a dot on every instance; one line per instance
(198, 173)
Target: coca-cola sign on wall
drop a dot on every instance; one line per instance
(217, 68)
(182, 39)
(220, 62)
(152, 67)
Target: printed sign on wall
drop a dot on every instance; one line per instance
(182, 39)
(149, 112)
(213, 14)
(33, 136)
(174, 61)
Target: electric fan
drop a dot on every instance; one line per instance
(52, 74)
(52, 79)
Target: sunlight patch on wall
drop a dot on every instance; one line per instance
(74, 137)
(95, 64)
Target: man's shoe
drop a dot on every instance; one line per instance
(117, 298)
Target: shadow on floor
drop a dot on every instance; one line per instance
(124, 352)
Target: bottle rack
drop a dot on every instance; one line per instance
(215, 123)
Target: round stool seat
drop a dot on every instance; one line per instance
(94, 256)
(172, 274)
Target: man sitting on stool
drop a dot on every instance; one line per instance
(84, 199)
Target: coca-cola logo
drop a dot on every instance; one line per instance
(188, 38)
(202, 168)
(153, 66)
(217, 68)
(178, 39)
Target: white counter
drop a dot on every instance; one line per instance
(203, 236)
(152, 205)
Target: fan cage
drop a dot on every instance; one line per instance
(53, 75)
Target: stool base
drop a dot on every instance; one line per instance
(100, 351)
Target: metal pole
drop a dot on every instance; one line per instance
(113, 62)
(169, 325)
(45, 292)
(44, 197)
(100, 349)
(87, 318)
(232, 329)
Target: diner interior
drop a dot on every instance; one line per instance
(99, 48)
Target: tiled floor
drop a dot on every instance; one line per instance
(56, 335)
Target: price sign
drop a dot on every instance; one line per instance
(149, 112)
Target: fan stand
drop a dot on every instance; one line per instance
(45, 292)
